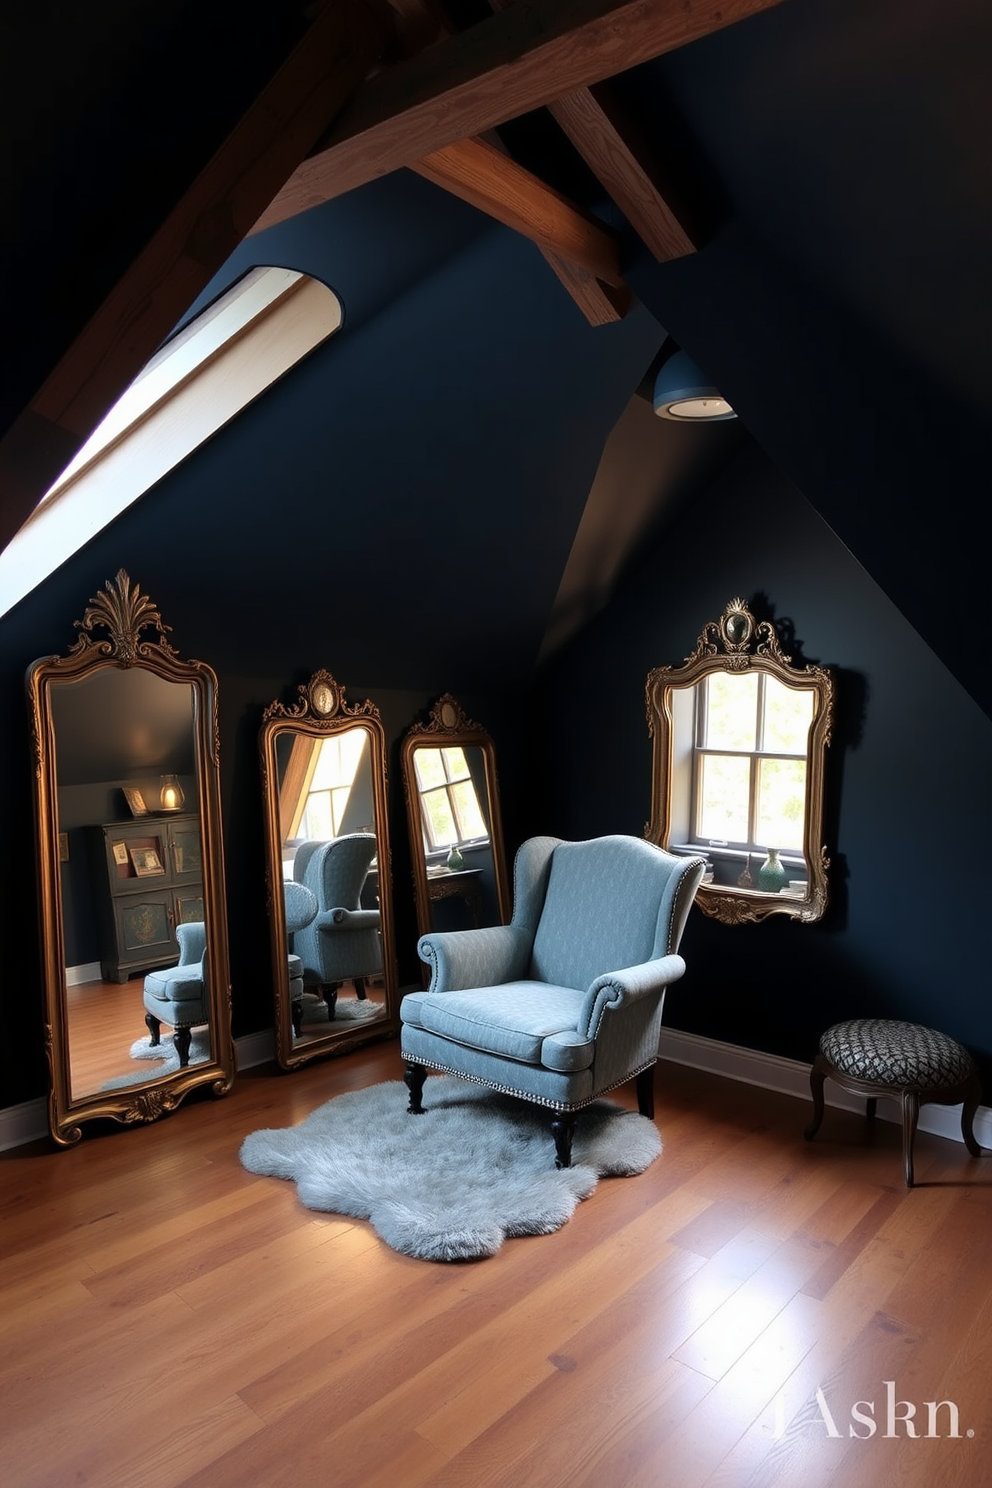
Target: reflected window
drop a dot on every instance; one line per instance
(449, 806)
(749, 761)
(317, 787)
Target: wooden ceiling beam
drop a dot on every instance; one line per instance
(214, 215)
(610, 146)
(489, 180)
(517, 60)
(600, 303)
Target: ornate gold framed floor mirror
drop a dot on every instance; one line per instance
(130, 869)
(327, 873)
(455, 824)
(739, 742)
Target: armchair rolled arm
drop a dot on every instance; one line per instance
(347, 919)
(616, 987)
(475, 958)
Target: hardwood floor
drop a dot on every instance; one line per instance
(172, 1321)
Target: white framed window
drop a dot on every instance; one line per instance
(449, 806)
(749, 759)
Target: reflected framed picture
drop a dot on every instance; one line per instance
(147, 863)
(135, 801)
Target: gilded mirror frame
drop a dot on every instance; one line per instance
(737, 643)
(449, 725)
(323, 712)
(124, 613)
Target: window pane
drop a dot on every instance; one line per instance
(454, 763)
(439, 822)
(788, 715)
(781, 802)
(470, 822)
(731, 712)
(317, 817)
(430, 768)
(724, 788)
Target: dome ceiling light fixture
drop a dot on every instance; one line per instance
(685, 394)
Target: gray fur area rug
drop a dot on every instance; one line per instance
(476, 1168)
(165, 1055)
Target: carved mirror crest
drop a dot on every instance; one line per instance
(453, 812)
(739, 739)
(130, 869)
(327, 872)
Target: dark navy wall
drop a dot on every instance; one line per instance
(398, 510)
(909, 803)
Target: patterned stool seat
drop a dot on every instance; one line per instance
(883, 1056)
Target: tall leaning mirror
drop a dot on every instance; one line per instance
(130, 869)
(739, 739)
(456, 833)
(327, 873)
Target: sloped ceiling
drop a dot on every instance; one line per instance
(824, 163)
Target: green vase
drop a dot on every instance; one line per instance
(455, 861)
(772, 873)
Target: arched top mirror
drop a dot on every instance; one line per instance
(130, 869)
(456, 832)
(327, 872)
(739, 740)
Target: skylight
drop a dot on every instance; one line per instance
(206, 373)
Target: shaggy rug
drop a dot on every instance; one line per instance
(452, 1184)
(347, 1010)
(199, 1051)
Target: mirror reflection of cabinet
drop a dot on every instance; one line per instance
(328, 873)
(109, 721)
(456, 833)
(739, 740)
(147, 878)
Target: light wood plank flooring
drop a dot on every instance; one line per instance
(171, 1320)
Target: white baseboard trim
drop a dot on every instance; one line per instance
(791, 1077)
(29, 1121)
(75, 976)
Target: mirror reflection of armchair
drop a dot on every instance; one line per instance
(342, 942)
(301, 910)
(178, 994)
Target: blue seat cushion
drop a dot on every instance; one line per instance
(175, 984)
(532, 1022)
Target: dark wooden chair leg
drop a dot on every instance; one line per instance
(817, 1075)
(154, 1027)
(644, 1085)
(297, 1016)
(871, 1107)
(330, 996)
(563, 1130)
(414, 1076)
(360, 992)
(971, 1100)
(910, 1116)
(182, 1039)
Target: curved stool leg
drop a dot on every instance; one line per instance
(817, 1075)
(968, 1110)
(910, 1116)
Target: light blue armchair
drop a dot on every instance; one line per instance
(565, 1002)
(178, 994)
(301, 910)
(342, 942)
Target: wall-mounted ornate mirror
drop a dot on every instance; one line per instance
(130, 869)
(456, 834)
(739, 738)
(328, 873)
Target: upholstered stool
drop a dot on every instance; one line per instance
(882, 1056)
